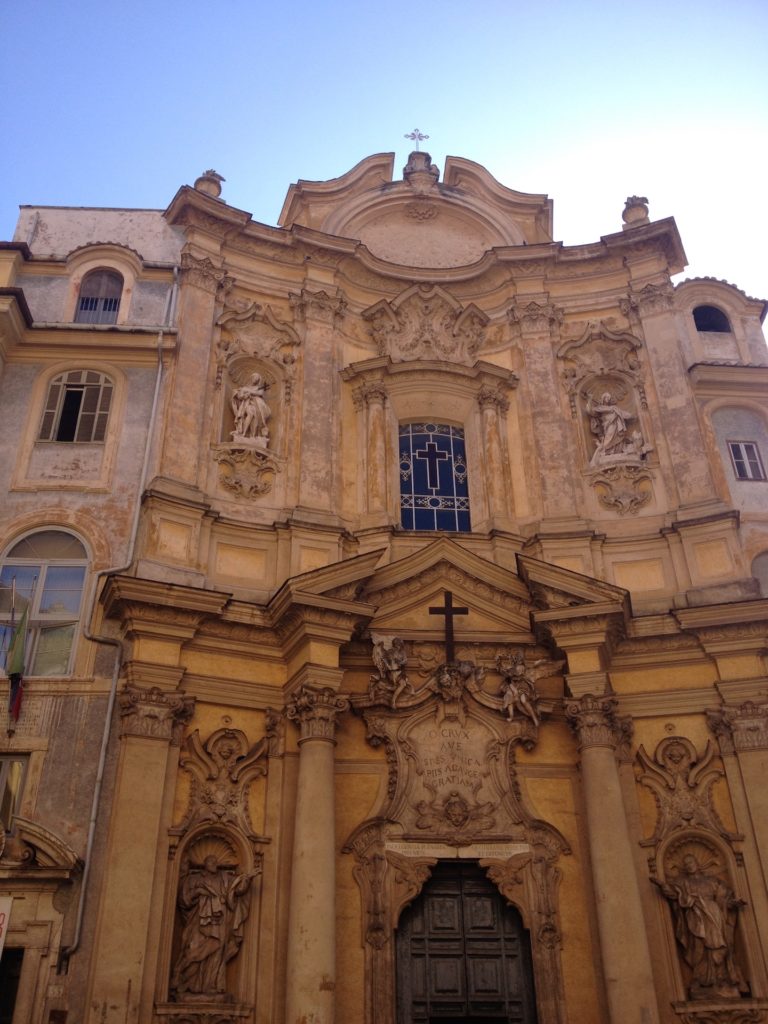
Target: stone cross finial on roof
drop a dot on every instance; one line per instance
(417, 137)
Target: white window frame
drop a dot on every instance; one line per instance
(40, 621)
(747, 455)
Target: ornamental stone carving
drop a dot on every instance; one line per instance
(369, 393)
(320, 305)
(246, 472)
(315, 712)
(427, 322)
(154, 713)
(222, 769)
(204, 274)
(681, 783)
(256, 337)
(740, 728)
(653, 298)
(493, 397)
(724, 1015)
(623, 489)
(594, 721)
(535, 317)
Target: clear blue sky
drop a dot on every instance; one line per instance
(119, 104)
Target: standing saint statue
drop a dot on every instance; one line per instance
(609, 425)
(215, 903)
(705, 924)
(250, 410)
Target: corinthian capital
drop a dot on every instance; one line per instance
(320, 305)
(653, 298)
(741, 728)
(535, 317)
(492, 398)
(594, 721)
(315, 711)
(204, 274)
(154, 713)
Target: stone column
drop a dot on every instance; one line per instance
(151, 721)
(492, 404)
(742, 732)
(625, 955)
(372, 396)
(318, 469)
(650, 309)
(311, 967)
(539, 323)
(201, 282)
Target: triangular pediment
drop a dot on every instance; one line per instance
(502, 603)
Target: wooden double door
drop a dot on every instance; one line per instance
(463, 956)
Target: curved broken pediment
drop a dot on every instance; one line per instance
(418, 221)
(33, 849)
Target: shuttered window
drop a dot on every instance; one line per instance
(77, 407)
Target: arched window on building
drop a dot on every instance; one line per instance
(434, 493)
(711, 320)
(44, 572)
(99, 298)
(77, 407)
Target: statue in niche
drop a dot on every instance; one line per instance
(389, 657)
(214, 902)
(609, 424)
(518, 687)
(251, 412)
(705, 910)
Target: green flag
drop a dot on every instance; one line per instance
(14, 665)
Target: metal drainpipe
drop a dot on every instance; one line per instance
(66, 952)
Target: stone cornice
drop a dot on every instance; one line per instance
(31, 343)
(720, 616)
(189, 202)
(130, 590)
(717, 379)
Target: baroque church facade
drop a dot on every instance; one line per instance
(395, 584)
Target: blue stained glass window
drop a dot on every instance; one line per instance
(433, 478)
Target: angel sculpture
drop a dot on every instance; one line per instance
(390, 658)
(518, 687)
